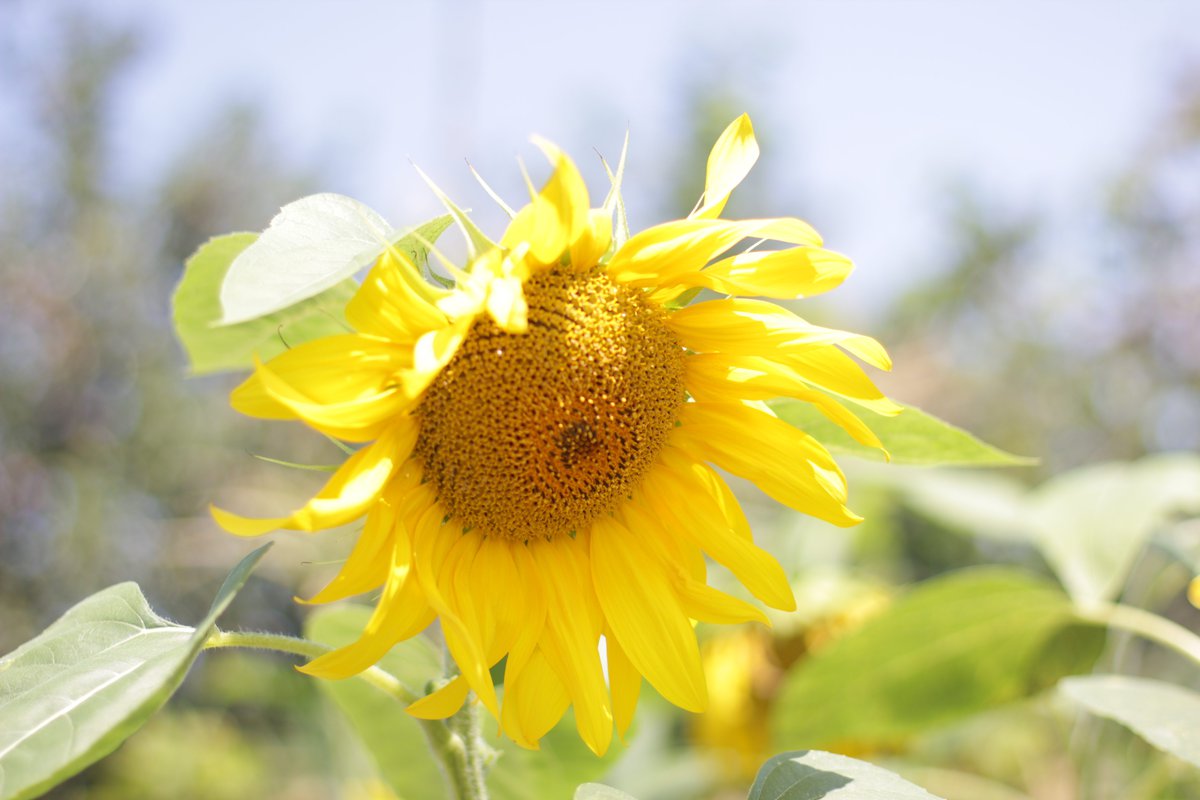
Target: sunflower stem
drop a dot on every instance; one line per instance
(472, 756)
(1147, 625)
(457, 742)
(293, 645)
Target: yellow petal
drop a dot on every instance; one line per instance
(400, 613)
(350, 492)
(395, 302)
(786, 463)
(572, 635)
(534, 702)
(442, 703)
(463, 645)
(625, 682)
(698, 600)
(506, 305)
(645, 615)
(344, 386)
(786, 274)
(531, 624)
(593, 241)
(432, 352)
(368, 564)
(662, 253)
(557, 217)
(729, 162)
(748, 327)
(723, 378)
(712, 519)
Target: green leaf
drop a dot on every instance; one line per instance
(211, 347)
(954, 646)
(392, 737)
(911, 437)
(1166, 716)
(814, 775)
(598, 791)
(311, 245)
(1091, 523)
(86, 683)
(398, 745)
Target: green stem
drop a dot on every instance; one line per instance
(384, 681)
(458, 742)
(1147, 625)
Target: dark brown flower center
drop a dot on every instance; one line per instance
(536, 434)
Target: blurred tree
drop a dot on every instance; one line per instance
(108, 453)
(1074, 348)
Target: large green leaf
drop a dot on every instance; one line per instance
(71, 695)
(911, 437)
(1091, 523)
(398, 745)
(952, 647)
(814, 775)
(1165, 715)
(211, 347)
(311, 245)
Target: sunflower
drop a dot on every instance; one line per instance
(539, 440)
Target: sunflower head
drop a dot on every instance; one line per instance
(539, 442)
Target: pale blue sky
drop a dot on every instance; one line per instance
(869, 106)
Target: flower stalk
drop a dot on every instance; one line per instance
(457, 742)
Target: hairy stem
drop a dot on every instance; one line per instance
(457, 742)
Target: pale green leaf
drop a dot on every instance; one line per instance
(85, 684)
(211, 347)
(392, 737)
(598, 791)
(952, 647)
(312, 244)
(1091, 523)
(815, 775)
(911, 437)
(1165, 715)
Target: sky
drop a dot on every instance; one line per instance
(867, 109)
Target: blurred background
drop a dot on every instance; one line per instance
(1018, 182)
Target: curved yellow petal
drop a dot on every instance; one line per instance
(572, 634)
(593, 241)
(625, 682)
(394, 302)
(698, 600)
(534, 702)
(743, 326)
(724, 378)
(462, 643)
(787, 274)
(786, 463)
(645, 615)
(344, 386)
(400, 613)
(349, 493)
(662, 253)
(368, 564)
(713, 520)
(729, 162)
(558, 215)
(442, 703)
